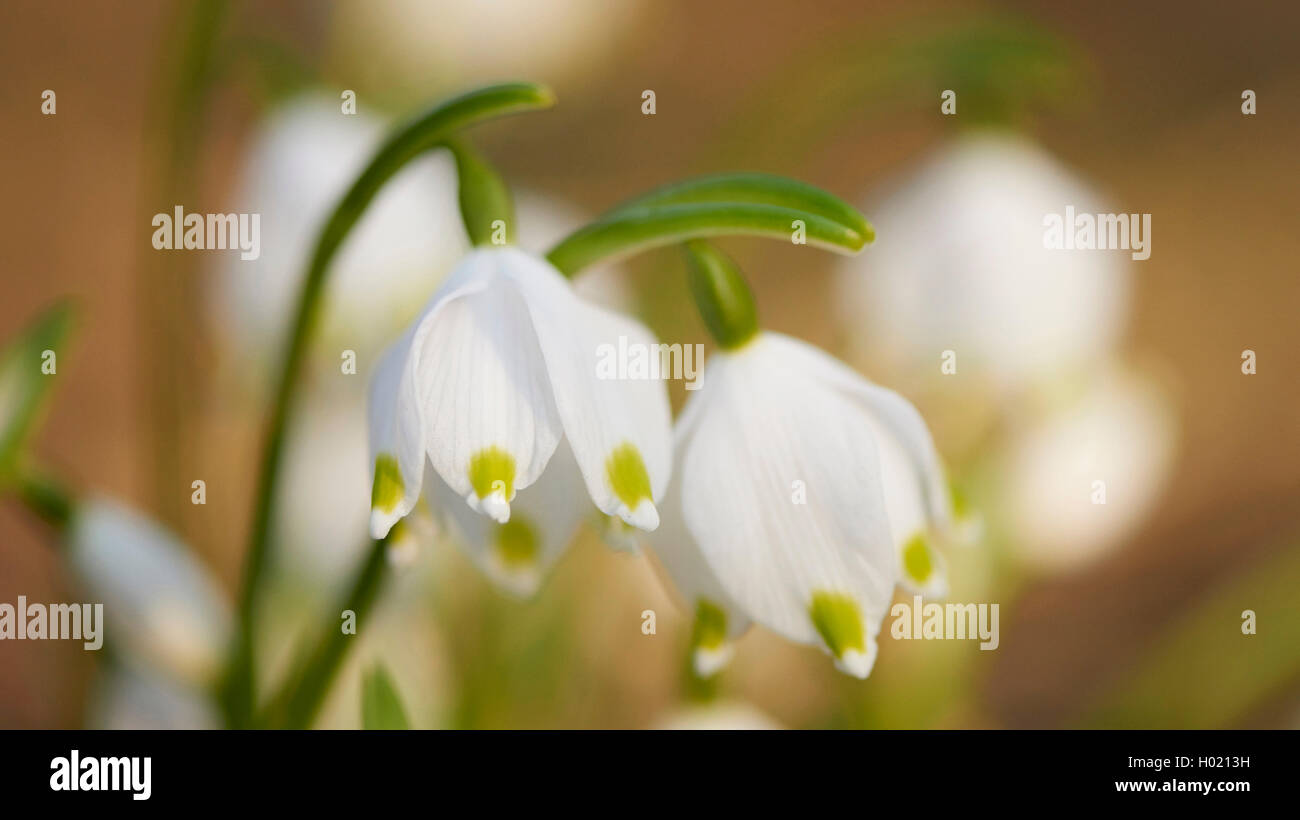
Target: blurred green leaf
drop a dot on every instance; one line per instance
(381, 708)
(1207, 674)
(23, 383)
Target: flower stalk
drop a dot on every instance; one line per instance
(424, 133)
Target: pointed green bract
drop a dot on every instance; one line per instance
(839, 621)
(517, 542)
(381, 708)
(491, 470)
(627, 475)
(24, 382)
(388, 488)
(917, 562)
(486, 206)
(710, 630)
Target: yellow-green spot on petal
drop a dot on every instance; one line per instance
(627, 475)
(710, 630)
(517, 543)
(491, 470)
(838, 621)
(917, 562)
(388, 488)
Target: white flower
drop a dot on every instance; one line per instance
(790, 466)
(1121, 432)
(960, 265)
(496, 373)
(406, 45)
(128, 697)
(723, 716)
(543, 520)
(162, 608)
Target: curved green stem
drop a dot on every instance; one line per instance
(296, 705)
(630, 229)
(404, 145)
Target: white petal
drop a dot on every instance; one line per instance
(718, 620)
(475, 392)
(619, 428)
(894, 415)
(544, 519)
(161, 606)
(396, 417)
(797, 568)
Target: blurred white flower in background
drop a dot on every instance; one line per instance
(163, 609)
(1120, 431)
(300, 162)
(453, 43)
(959, 264)
(127, 697)
(719, 715)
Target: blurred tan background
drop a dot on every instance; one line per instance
(151, 397)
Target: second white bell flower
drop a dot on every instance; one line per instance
(498, 369)
(791, 466)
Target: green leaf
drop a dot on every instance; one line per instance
(756, 189)
(484, 197)
(23, 383)
(632, 229)
(381, 708)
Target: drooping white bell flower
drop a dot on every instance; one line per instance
(960, 265)
(162, 608)
(787, 462)
(497, 371)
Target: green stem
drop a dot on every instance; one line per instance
(297, 704)
(632, 229)
(45, 497)
(407, 143)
